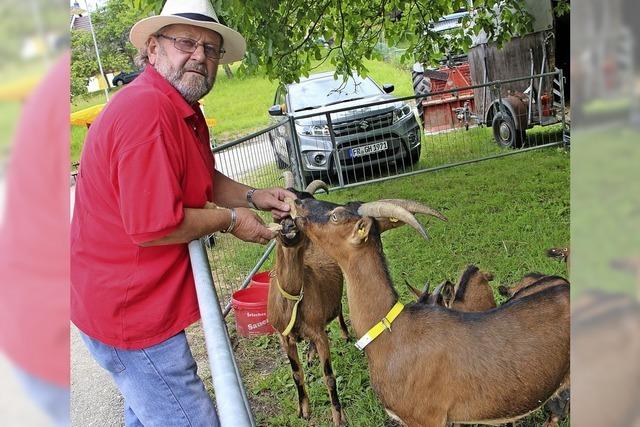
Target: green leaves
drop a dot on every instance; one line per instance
(284, 38)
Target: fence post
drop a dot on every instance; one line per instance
(564, 119)
(336, 153)
(296, 156)
(231, 400)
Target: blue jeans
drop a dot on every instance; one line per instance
(160, 384)
(51, 398)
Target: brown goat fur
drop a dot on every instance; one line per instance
(437, 365)
(530, 284)
(300, 263)
(472, 292)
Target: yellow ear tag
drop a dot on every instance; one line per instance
(362, 234)
(392, 219)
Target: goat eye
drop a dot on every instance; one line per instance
(334, 218)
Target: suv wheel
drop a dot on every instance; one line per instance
(414, 155)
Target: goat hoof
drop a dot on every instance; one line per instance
(304, 411)
(338, 418)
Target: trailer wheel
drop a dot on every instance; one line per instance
(505, 132)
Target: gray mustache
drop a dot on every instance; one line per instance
(199, 69)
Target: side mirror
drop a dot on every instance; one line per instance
(276, 110)
(388, 88)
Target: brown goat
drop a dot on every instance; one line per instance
(472, 293)
(530, 284)
(303, 270)
(563, 254)
(408, 359)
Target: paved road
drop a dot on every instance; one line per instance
(16, 408)
(95, 400)
(244, 158)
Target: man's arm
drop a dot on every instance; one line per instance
(231, 193)
(200, 222)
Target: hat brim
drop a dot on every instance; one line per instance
(234, 44)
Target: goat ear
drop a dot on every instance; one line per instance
(385, 224)
(361, 231)
(448, 293)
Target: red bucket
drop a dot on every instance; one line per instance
(261, 278)
(250, 307)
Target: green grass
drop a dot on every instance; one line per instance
(9, 113)
(502, 213)
(604, 223)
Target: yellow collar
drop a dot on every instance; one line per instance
(290, 297)
(385, 323)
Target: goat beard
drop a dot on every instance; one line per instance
(192, 87)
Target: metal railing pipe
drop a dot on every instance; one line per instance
(231, 399)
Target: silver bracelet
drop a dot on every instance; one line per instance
(232, 224)
(250, 198)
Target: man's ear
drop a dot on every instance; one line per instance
(152, 50)
(360, 233)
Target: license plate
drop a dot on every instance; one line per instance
(368, 149)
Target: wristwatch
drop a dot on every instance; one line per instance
(250, 198)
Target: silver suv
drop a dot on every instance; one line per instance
(367, 136)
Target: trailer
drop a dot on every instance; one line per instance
(513, 103)
(519, 86)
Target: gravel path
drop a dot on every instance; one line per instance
(95, 400)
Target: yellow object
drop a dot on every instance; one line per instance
(294, 313)
(86, 116)
(19, 90)
(385, 323)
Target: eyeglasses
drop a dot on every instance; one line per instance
(188, 45)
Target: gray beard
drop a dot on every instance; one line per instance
(192, 87)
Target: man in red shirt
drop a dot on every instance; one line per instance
(145, 176)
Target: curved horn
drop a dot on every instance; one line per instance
(416, 207)
(316, 185)
(390, 210)
(289, 182)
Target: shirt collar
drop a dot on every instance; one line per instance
(154, 78)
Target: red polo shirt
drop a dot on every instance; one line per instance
(145, 158)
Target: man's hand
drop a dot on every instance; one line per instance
(250, 227)
(273, 199)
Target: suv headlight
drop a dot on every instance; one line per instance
(313, 130)
(401, 112)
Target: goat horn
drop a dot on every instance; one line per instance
(389, 210)
(289, 182)
(416, 207)
(316, 185)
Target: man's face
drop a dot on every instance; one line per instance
(192, 74)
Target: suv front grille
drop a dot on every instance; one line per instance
(363, 125)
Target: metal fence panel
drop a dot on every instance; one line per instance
(252, 161)
(347, 147)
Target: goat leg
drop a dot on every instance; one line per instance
(322, 345)
(344, 332)
(291, 348)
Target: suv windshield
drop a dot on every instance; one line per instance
(323, 91)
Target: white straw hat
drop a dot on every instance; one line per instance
(199, 13)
